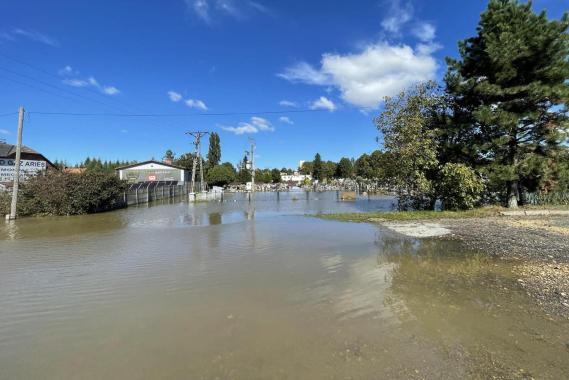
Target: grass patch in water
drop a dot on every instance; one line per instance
(410, 215)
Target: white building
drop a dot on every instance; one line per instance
(296, 177)
(153, 171)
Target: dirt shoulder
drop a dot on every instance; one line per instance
(538, 247)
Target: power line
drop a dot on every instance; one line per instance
(63, 90)
(110, 114)
(123, 104)
(43, 71)
(8, 114)
(37, 88)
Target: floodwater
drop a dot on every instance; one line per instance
(257, 290)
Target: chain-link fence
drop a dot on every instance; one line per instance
(145, 192)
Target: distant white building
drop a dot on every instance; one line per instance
(296, 177)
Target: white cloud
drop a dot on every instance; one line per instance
(303, 72)
(76, 82)
(71, 78)
(67, 71)
(196, 103)
(207, 10)
(399, 14)
(4, 131)
(286, 120)
(200, 7)
(323, 103)
(110, 90)
(261, 124)
(425, 31)
(174, 96)
(242, 129)
(288, 103)
(192, 103)
(16, 33)
(255, 125)
(365, 78)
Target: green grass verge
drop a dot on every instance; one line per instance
(428, 215)
(410, 215)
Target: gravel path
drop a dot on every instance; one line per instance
(539, 247)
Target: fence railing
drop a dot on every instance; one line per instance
(555, 198)
(150, 191)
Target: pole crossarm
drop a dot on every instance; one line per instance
(197, 135)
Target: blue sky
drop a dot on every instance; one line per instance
(325, 65)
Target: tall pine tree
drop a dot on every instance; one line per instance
(317, 168)
(214, 152)
(510, 94)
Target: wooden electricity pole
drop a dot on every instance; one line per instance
(252, 165)
(197, 135)
(17, 165)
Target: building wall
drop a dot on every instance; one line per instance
(296, 177)
(152, 172)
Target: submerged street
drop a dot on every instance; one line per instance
(259, 290)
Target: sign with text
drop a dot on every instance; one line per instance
(27, 168)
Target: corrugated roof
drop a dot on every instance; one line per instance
(150, 162)
(8, 149)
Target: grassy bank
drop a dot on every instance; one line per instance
(410, 215)
(428, 215)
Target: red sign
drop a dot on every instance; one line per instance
(152, 178)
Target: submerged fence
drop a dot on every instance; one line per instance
(150, 191)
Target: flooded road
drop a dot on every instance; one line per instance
(240, 290)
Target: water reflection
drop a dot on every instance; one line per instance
(242, 290)
(471, 306)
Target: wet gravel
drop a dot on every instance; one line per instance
(538, 247)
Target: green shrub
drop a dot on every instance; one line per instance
(58, 193)
(5, 200)
(220, 175)
(459, 187)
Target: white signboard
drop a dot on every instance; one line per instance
(27, 168)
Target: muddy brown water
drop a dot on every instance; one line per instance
(240, 290)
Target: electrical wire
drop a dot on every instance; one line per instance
(110, 114)
(63, 90)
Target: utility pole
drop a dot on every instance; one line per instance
(17, 166)
(252, 164)
(197, 135)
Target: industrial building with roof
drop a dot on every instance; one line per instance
(153, 171)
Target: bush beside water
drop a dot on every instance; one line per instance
(58, 193)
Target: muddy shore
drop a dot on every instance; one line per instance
(537, 246)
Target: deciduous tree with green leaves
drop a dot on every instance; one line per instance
(410, 140)
(345, 168)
